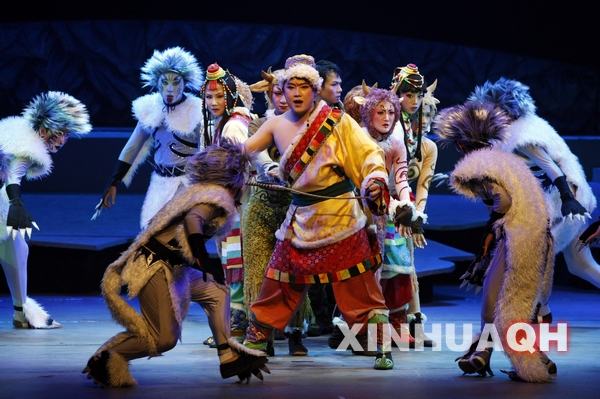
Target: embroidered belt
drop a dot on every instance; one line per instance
(155, 251)
(339, 188)
(273, 198)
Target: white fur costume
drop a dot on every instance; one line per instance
(524, 250)
(531, 130)
(155, 130)
(25, 147)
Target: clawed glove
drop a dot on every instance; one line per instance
(570, 206)
(19, 219)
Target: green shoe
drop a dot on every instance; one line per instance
(384, 361)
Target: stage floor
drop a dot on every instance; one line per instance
(47, 363)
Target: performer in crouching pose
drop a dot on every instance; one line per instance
(169, 260)
(28, 141)
(516, 261)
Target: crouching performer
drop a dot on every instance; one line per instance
(169, 260)
(516, 262)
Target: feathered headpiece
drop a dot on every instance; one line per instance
(510, 95)
(172, 60)
(372, 98)
(472, 125)
(58, 112)
(428, 99)
(225, 164)
(410, 75)
(302, 66)
(270, 79)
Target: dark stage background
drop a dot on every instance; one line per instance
(94, 50)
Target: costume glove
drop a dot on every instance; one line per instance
(206, 264)
(570, 206)
(19, 219)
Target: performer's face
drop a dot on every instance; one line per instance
(278, 100)
(171, 87)
(215, 100)
(428, 115)
(299, 94)
(332, 88)
(383, 117)
(411, 102)
(53, 140)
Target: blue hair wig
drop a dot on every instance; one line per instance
(510, 95)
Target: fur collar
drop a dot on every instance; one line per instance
(149, 110)
(19, 140)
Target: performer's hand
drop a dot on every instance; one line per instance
(212, 266)
(419, 240)
(404, 231)
(19, 220)
(109, 197)
(374, 191)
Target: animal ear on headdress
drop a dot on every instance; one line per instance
(429, 95)
(366, 89)
(268, 76)
(359, 100)
(265, 84)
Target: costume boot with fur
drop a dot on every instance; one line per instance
(33, 315)
(109, 369)
(248, 362)
(415, 322)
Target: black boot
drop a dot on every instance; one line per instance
(419, 336)
(476, 361)
(96, 369)
(295, 344)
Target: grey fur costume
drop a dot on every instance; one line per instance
(532, 130)
(127, 270)
(529, 268)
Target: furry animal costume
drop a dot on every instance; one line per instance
(523, 233)
(27, 141)
(155, 129)
(531, 130)
(133, 271)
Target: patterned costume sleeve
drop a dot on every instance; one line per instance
(430, 153)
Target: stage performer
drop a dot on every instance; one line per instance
(516, 260)
(169, 127)
(169, 260)
(569, 198)
(410, 85)
(28, 141)
(324, 239)
(380, 111)
(264, 213)
(226, 112)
